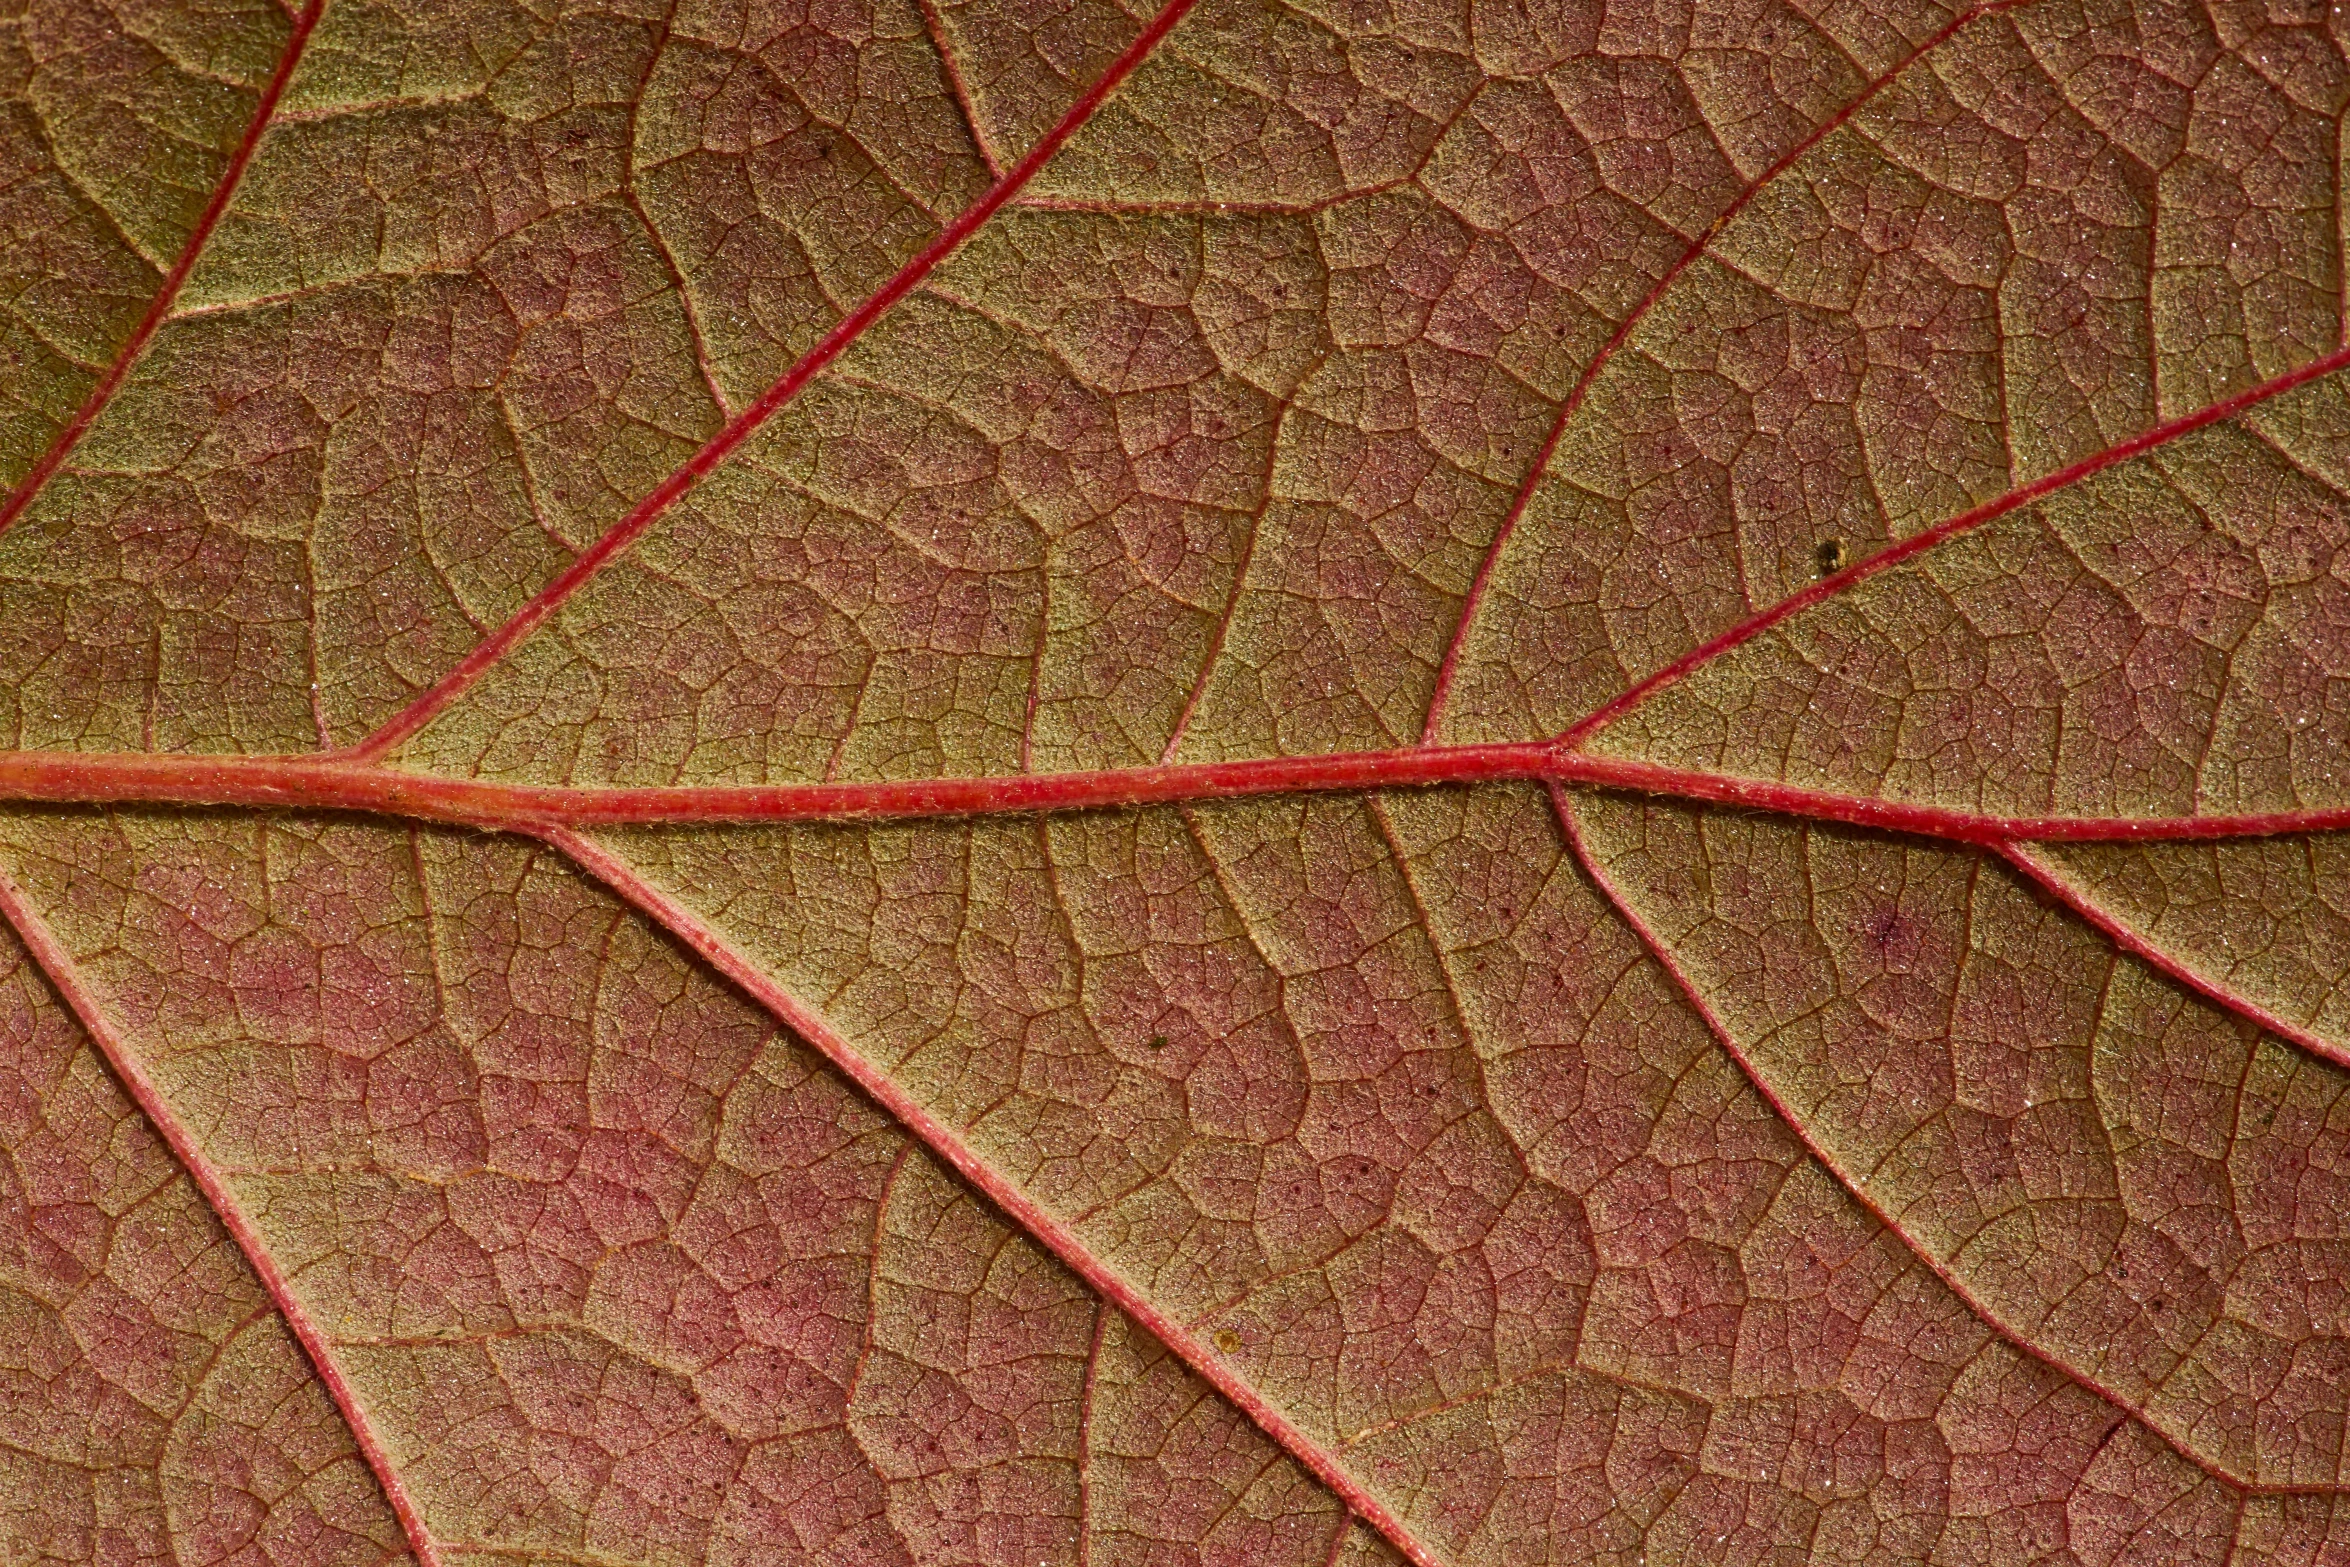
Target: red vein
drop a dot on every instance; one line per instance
(159, 307)
(1858, 1191)
(2059, 887)
(852, 326)
(1623, 332)
(1930, 821)
(326, 783)
(65, 978)
(958, 88)
(1965, 522)
(944, 1142)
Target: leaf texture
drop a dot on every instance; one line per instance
(156, 1409)
(936, 783)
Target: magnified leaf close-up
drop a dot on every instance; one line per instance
(1026, 783)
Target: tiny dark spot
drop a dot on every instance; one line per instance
(1886, 928)
(1828, 559)
(1158, 1041)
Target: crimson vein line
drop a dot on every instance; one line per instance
(64, 976)
(1659, 952)
(2052, 881)
(159, 308)
(1581, 390)
(1965, 522)
(943, 1141)
(325, 783)
(852, 326)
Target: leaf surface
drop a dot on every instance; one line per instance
(988, 784)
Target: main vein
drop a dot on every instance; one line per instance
(326, 783)
(353, 782)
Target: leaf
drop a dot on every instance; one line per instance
(977, 784)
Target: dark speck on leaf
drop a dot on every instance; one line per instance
(1829, 559)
